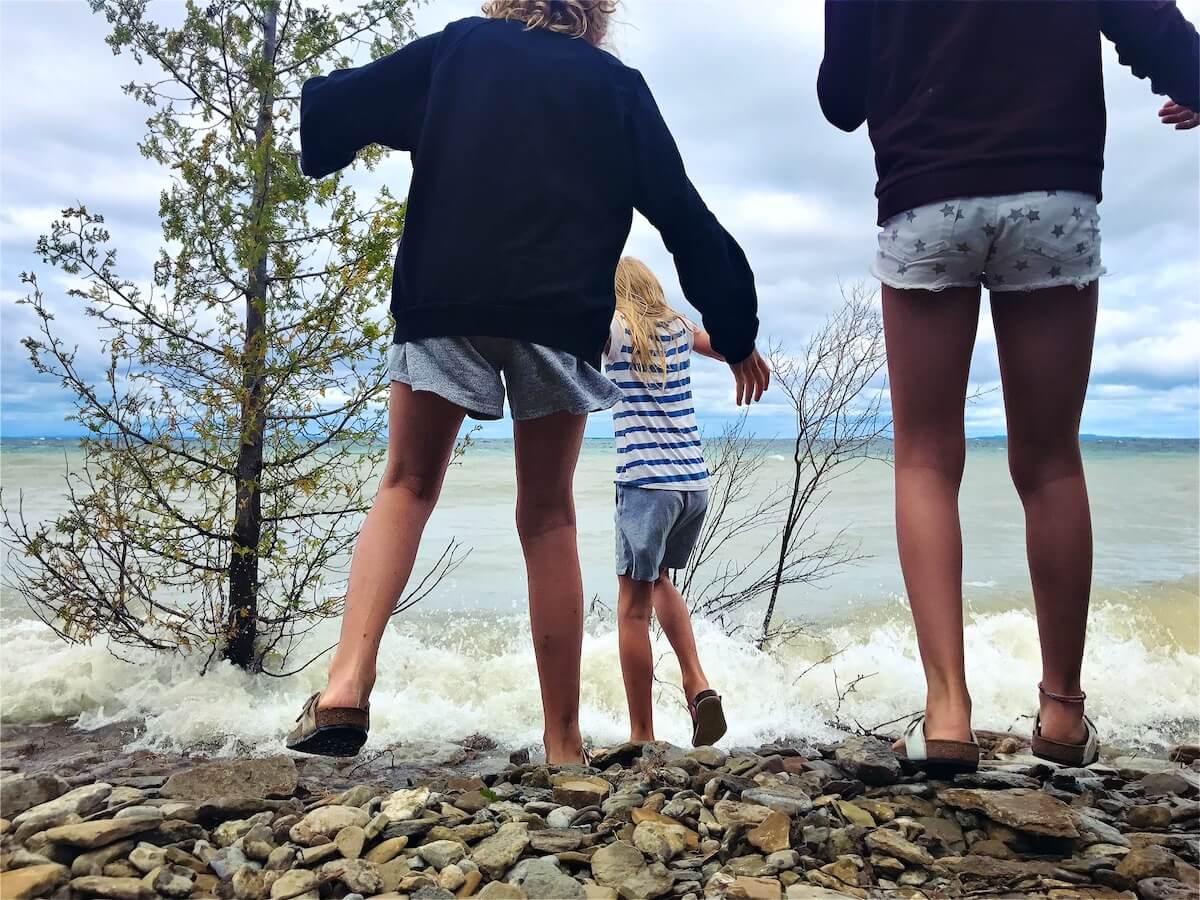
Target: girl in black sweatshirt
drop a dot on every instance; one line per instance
(531, 148)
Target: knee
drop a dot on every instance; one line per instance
(542, 513)
(420, 486)
(1035, 462)
(636, 603)
(940, 451)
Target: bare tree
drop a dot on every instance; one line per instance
(835, 394)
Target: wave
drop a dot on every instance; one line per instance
(445, 676)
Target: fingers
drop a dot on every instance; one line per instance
(1181, 117)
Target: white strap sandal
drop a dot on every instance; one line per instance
(1077, 755)
(936, 757)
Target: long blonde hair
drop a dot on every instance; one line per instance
(587, 19)
(652, 324)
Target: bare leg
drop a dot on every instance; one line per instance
(930, 336)
(421, 431)
(676, 622)
(547, 450)
(635, 602)
(1045, 343)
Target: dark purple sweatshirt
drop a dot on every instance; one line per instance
(973, 98)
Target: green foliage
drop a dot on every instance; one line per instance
(239, 413)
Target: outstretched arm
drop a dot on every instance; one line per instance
(382, 102)
(1154, 39)
(751, 376)
(713, 271)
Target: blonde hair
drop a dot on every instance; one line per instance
(586, 19)
(651, 322)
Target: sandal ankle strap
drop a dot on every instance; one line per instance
(1062, 698)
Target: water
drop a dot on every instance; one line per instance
(463, 663)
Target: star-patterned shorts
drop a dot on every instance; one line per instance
(1012, 242)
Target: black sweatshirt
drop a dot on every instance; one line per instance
(530, 151)
(984, 98)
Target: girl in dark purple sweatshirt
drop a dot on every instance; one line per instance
(988, 122)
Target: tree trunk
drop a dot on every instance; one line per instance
(242, 626)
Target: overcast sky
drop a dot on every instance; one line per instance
(736, 84)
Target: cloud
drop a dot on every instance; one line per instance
(736, 84)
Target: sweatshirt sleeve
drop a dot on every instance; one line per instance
(1156, 42)
(713, 271)
(842, 80)
(382, 102)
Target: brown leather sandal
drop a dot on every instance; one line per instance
(338, 731)
(1077, 755)
(708, 719)
(938, 758)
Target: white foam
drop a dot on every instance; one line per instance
(443, 678)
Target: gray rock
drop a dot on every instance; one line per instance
(1035, 812)
(556, 886)
(615, 863)
(1164, 889)
(273, 776)
(293, 884)
(113, 888)
(709, 756)
(869, 760)
(81, 801)
(1093, 830)
(226, 861)
(19, 793)
(431, 892)
(91, 835)
(172, 881)
(496, 854)
(556, 840)
(561, 816)
(784, 798)
(440, 854)
(325, 822)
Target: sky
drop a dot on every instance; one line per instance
(735, 83)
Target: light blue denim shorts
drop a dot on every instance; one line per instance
(656, 529)
(477, 372)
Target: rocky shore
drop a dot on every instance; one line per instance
(779, 821)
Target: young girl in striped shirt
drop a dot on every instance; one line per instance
(662, 491)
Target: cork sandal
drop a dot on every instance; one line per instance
(708, 719)
(338, 731)
(1076, 755)
(937, 758)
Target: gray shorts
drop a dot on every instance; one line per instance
(656, 529)
(467, 371)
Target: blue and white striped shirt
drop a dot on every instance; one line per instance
(654, 423)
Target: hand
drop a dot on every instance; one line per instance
(1180, 116)
(752, 377)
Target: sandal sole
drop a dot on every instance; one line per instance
(945, 759)
(710, 722)
(331, 740)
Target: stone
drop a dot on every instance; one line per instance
(1001, 870)
(472, 801)
(310, 856)
(579, 790)
(556, 840)
(81, 801)
(785, 798)
(1093, 830)
(615, 863)
(552, 886)
(226, 861)
(440, 854)
(402, 806)
(752, 865)
(619, 805)
(869, 760)
(249, 884)
(350, 841)
(91, 835)
(19, 793)
(147, 857)
(891, 843)
(841, 874)
(745, 887)
(114, 888)
(496, 854)
(139, 812)
(499, 890)
(393, 872)
(431, 892)
(451, 878)
(993, 848)
(1160, 784)
(561, 817)
(772, 834)
(855, 814)
(709, 756)
(227, 833)
(32, 881)
(326, 821)
(1150, 861)
(731, 812)
(281, 859)
(357, 874)
(1155, 816)
(803, 891)
(273, 776)
(652, 881)
(660, 841)
(177, 881)
(1034, 812)
(386, 851)
(598, 892)
(293, 884)
(946, 832)
(94, 861)
(1164, 889)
